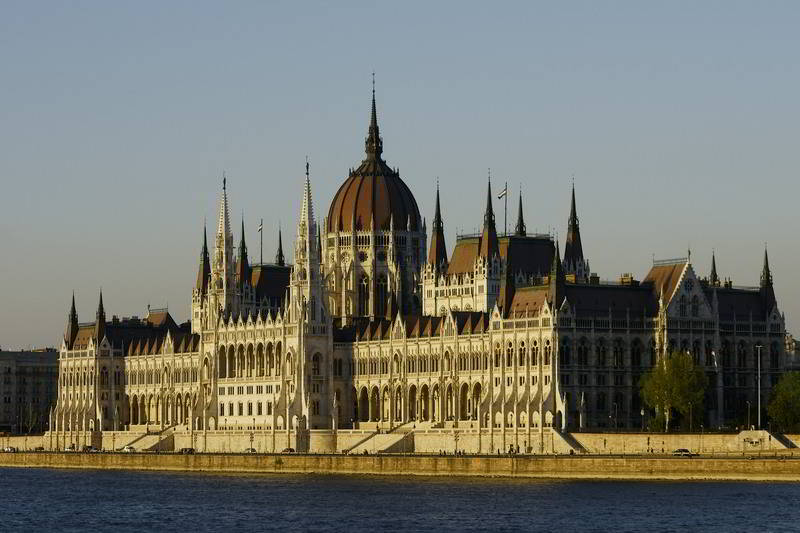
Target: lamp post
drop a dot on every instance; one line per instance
(642, 415)
(748, 414)
(758, 347)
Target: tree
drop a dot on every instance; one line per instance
(675, 384)
(784, 407)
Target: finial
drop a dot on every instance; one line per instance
(224, 179)
(373, 84)
(490, 173)
(307, 167)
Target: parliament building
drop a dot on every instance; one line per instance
(374, 337)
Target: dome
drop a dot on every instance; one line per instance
(373, 190)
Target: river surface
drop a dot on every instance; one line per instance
(122, 501)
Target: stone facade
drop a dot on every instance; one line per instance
(502, 343)
(28, 386)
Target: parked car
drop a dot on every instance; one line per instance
(9, 449)
(288, 450)
(70, 448)
(89, 449)
(128, 449)
(682, 452)
(39, 449)
(250, 450)
(187, 451)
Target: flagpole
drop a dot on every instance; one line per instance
(505, 211)
(261, 234)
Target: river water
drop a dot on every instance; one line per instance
(122, 501)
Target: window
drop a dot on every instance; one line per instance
(241, 408)
(222, 409)
(258, 409)
(249, 408)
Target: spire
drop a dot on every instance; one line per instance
(488, 243)
(520, 227)
(573, 249)
(767, 290)
(557, 278)
(72, 324)
(279, 259)
(319, 245)
(488, 215)
(374, 144)
(224, 225)
(243, 264)
(713, 278)
(437, 255)
(307, 211)
(204, 271)
(100, 321)
(766, 275)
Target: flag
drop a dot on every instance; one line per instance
(503, 192)
(261, 225)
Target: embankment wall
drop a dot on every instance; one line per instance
(564, 467)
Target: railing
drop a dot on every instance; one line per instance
(673, 261)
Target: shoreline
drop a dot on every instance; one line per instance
(627, 468)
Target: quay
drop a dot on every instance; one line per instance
(776, 466)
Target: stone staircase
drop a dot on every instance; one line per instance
(398, 440)
(161, 441)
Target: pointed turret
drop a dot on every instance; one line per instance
(72, 325)
(767, 290)
(100, 320)
(204, 270)
(573, 249)
(242, 263)
(279, 258)
(224, 224)
(713, 278)
(374, 143)
(488, 245)
(574, 262)
(437, 256)
(557, 278)
(222, 267)
(519, 229)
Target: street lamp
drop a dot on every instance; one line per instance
(758, 347)
(748, 414)
(642, 415)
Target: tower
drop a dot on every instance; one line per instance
(766, 288)
(574, 263)
(713, 278)
(71, 330)
(306, 289)
(375, 245)
(100, 321)
(279, 258)
(200, 291)
(489, 265)
(437, 256)
(222, 269)
(242, 264)
(519, 229)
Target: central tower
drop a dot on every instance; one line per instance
(375, 243)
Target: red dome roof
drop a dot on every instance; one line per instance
(373, 191)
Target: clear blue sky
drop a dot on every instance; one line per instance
(679, 120)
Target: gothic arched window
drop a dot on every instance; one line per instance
(363, 296)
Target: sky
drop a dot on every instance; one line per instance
(678, 120)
